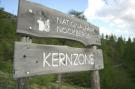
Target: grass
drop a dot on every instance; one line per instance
(41, 82)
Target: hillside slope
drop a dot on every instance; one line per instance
(119, 60)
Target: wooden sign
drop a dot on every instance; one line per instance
(36, 59)
(40, 21)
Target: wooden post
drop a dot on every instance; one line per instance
(59, 80)
(59, 77)
(22, 83)
(95, 78)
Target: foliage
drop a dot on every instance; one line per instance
(119, 59)
(43, 80)
(115, 75)
(1, 9)
(78, 14)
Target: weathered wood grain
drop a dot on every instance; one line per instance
(36, 59)
(40, 21)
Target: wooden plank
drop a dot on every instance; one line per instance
(36, 59)
(23, 83)
(95, 77)
(40, 21)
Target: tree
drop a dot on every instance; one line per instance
(1, 9)
(78, 14)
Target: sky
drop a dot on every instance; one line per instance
(111, 16)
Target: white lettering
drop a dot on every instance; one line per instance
(44, 25)
(62, 59)
(87, 60)
(76, 59)
(74, 29)
(91, 56)
(55, 59)
(81, 60)
(69, 60)
(45, 58)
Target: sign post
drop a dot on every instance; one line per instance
(39, 59)
(23, 83)
(38, 21)
(95, 78)
(59, 80)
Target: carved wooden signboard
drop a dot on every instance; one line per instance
(36, 59)
(40, 21)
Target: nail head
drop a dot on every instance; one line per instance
(30, 11)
